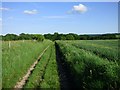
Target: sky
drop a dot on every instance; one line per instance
(61, 17)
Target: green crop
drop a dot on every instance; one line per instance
(18, 58)
(101, 48)
(89, 70)
(45, 74)
(91, 64)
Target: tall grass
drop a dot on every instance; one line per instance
(45, 74)
(0, 62)
(17, 58)
(51, 79)
(105, 43)
(103, 49)
(89, 70)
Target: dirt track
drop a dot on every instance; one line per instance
(22, 82)
(66, 81)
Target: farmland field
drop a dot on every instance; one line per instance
(17, 59)
(86, 64)
(45, 75)
(92, 64)
(0, 65)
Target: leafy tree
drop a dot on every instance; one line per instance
(57, 36)
(48, 36)
(69, 37)
(8, 37)
(62, 38)
(38, 37)
(25, 36)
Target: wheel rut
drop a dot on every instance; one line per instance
(22, 82)
(66, 79)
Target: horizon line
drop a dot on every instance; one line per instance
(67, 33)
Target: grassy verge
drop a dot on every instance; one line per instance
(0, 64)
(51, 79)
(17, 58)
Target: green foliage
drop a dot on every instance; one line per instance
(103, 49)
(62, 38)
(17, 59)
(69, 37)
(45, 74)
(37, 75)
(10, 37)
(51, 79)
(38, 37)
(23, 36)
(72, 36)
(94, 64)
(89, 70)
(57, 36)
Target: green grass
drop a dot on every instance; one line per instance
(107, 49)
(18, 58)
(0, 63)
(93, 63)
(106, 43)
(89, 70)
(45, 74)
(51, 79)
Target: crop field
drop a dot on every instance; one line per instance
(92, 64)
(86, 64)
(18, 58)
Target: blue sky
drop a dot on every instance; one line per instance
(64, 17)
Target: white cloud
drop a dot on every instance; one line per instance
(31, 12)
(5, 9)
(80, 8)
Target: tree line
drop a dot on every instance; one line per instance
(72, 36)
(57, 36)
(22, 36)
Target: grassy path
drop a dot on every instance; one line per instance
(17, 59)
(45, 74)
(22, 82)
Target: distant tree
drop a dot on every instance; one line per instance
(9, 37)
(38, 37)
(55, 36)
(84, 37)
(22, 36)
(118, 36)
(25, 36)
(76, 37)
(62, 37)
(69, 37)
(48, 36)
